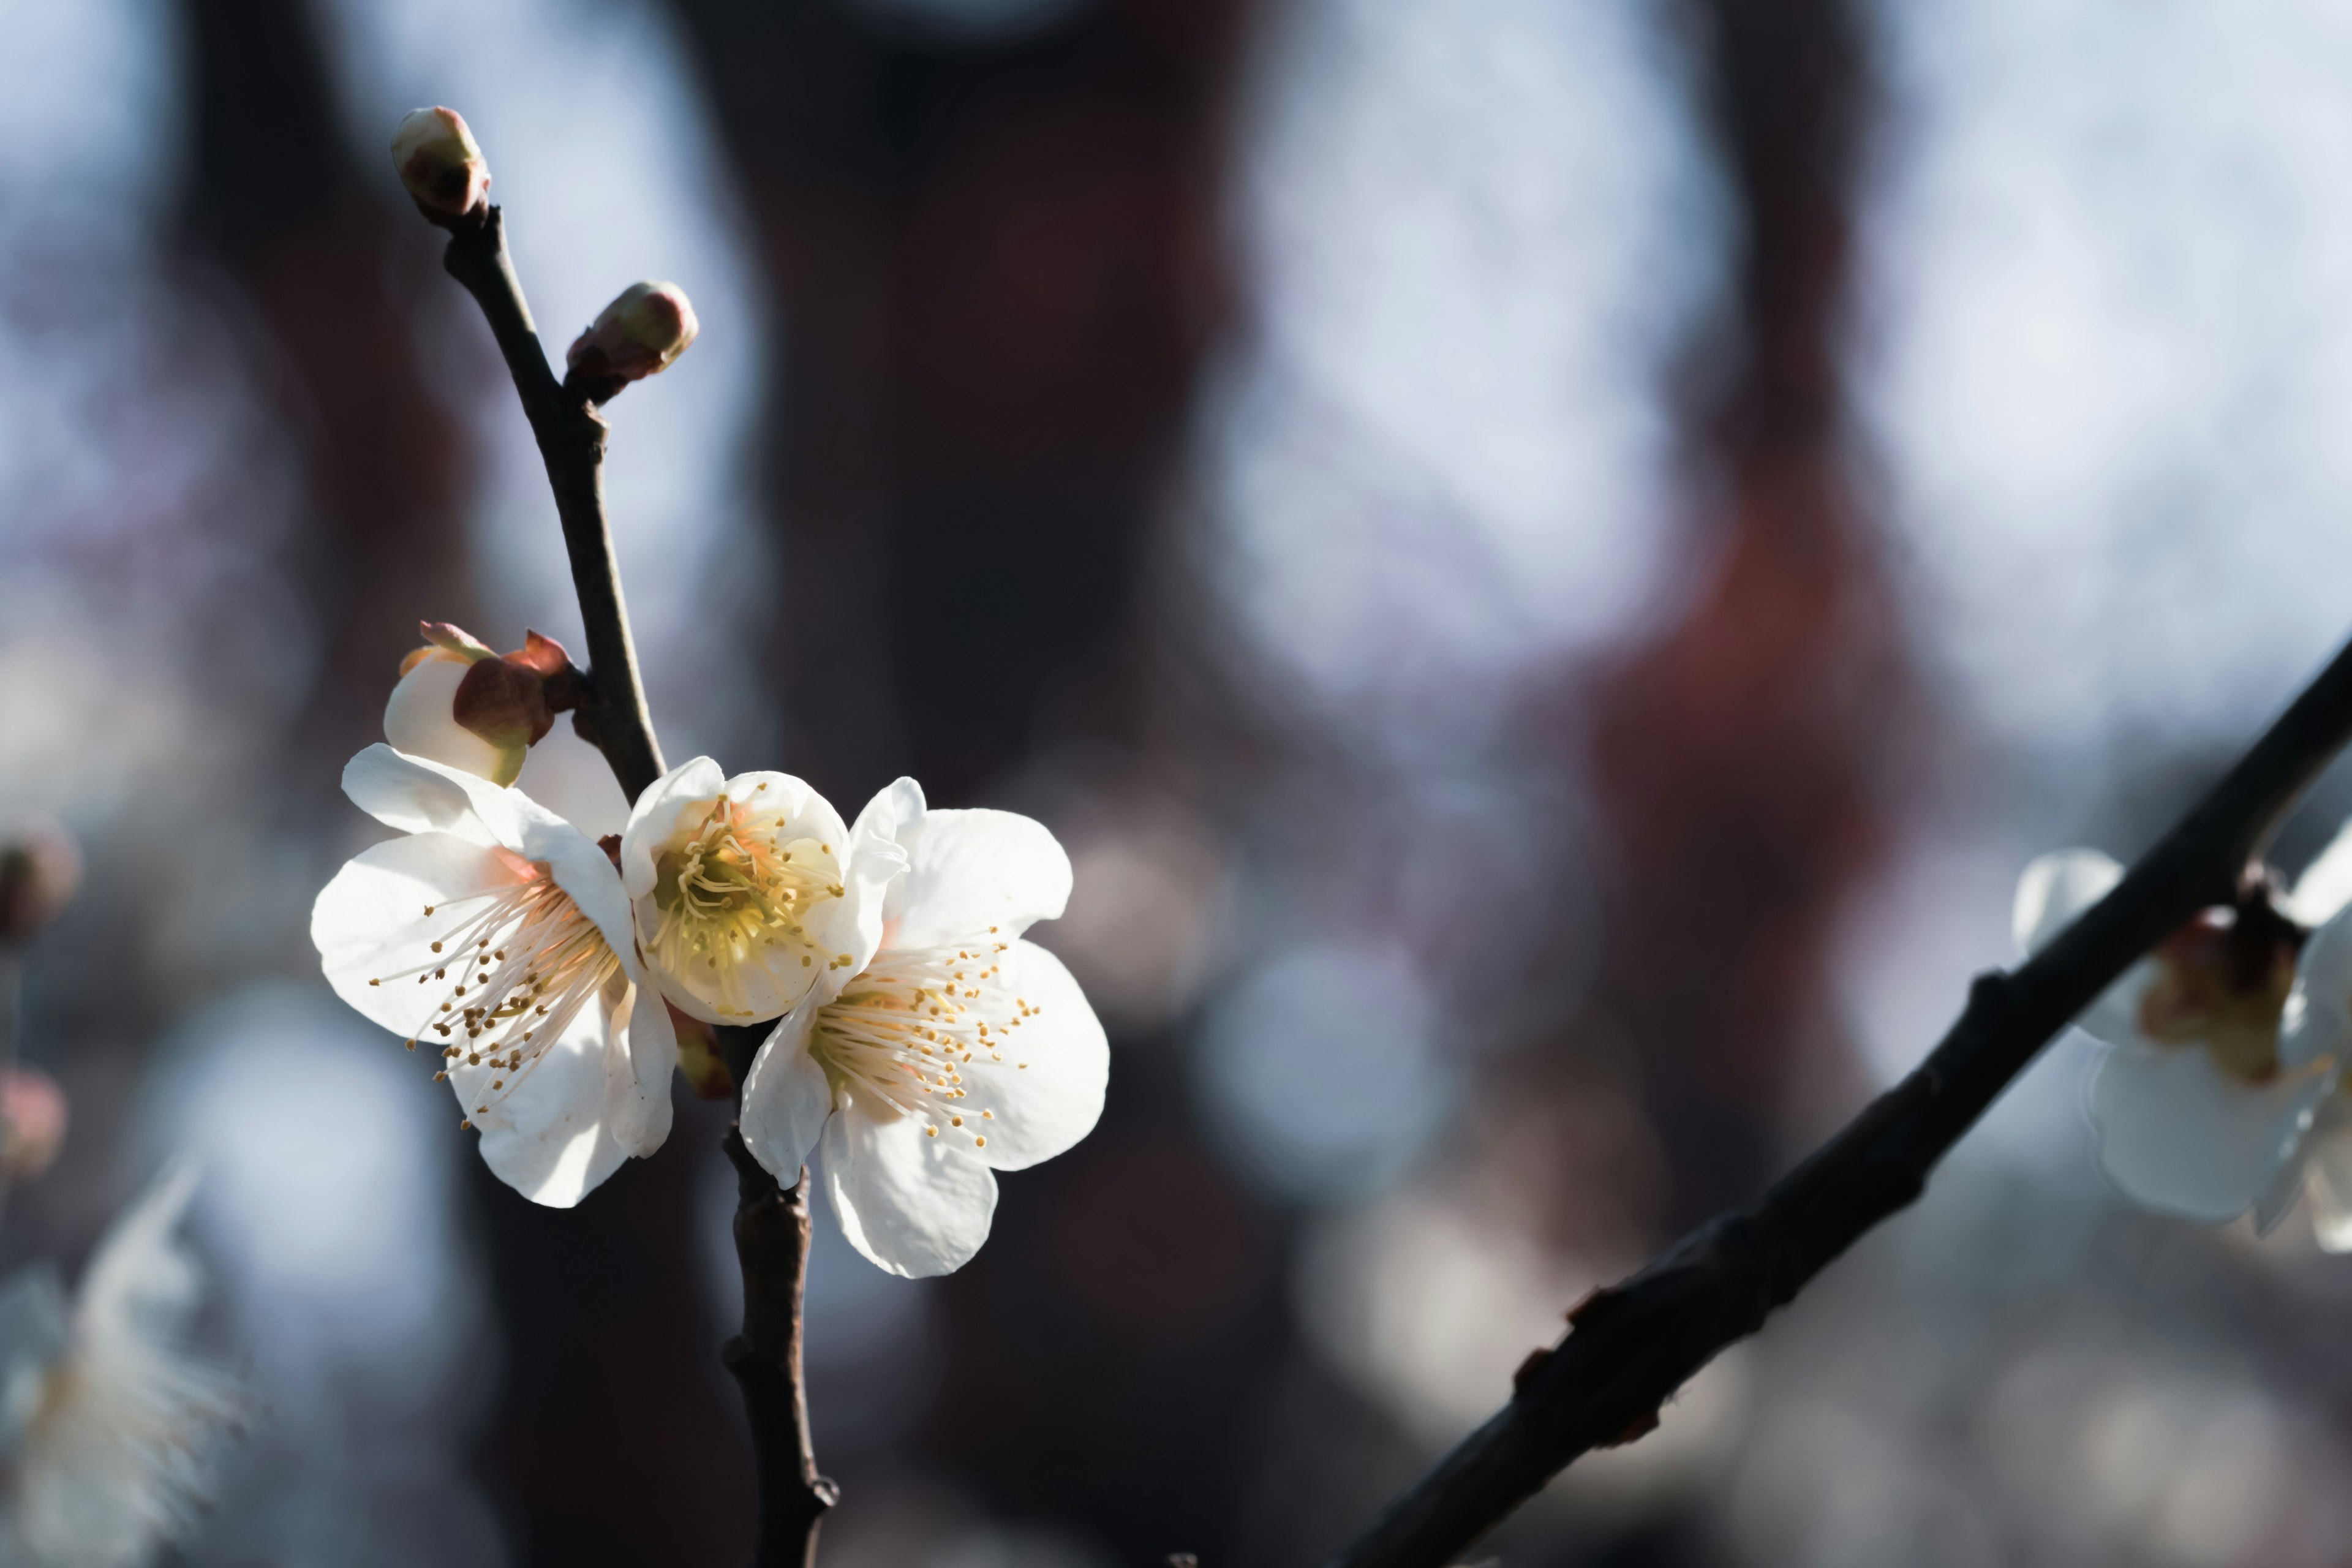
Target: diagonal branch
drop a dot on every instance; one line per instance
(772, 1226)
(571, 436)
(1631, 1346)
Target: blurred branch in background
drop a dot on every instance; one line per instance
(302, 230)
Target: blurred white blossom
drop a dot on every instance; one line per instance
(107, 1424)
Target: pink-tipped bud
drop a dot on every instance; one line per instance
(40, 868)
(32, 1123)
(638, 335)
(440, 162)
(459, 704)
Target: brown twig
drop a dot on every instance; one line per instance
(571, 435)
(771, 1243)
(772, 1226)
(1631, 1346)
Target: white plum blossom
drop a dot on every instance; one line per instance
(947, 1050)
(2223, 1087)
(106, 1426)
(498, 934)
(419, 719)
(742, 890)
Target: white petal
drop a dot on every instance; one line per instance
(419, 796)
(2054, 889)
(2324, 888)
(545, 1134)
(912, 1204)
(974, 872)
(786, 1097)
(655, 817)
(419, 720)
(585, 872)
(2329, 1153)
(2178, 1135)
(2318, 1013)
(1039, 1111)
(2114, 1016)
(877, 864)
(638, 1070)
(369, 923)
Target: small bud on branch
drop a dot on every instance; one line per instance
(639, 334)
(440, 162)
(41, 869)
(458, 703)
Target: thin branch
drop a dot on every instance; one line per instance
(571, 436)
(1631, 1346)
(772, 1226)
(771, 1243)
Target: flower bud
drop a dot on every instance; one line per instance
(440, 162)
(458, 703)
(639, 334)
(32, 1123)
(40, 868)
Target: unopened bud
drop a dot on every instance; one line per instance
(40, 868)
(440, 162)
(32, 1123)
(638, 335)
(699, 1057)
(458, 703)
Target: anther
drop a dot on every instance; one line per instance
(437, 947)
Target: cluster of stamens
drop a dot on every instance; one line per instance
(733, 893)
(905, 1030)
(515, 970)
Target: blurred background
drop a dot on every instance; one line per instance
(1549, 562)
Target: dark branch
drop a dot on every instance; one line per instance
(772, 1227)
(772, 1242)
(1631, 1346)
(571, 436)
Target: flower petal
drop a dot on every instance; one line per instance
(2324, 888)
(655, 817)
(786, 1097)
(971, 872)
(2330, 1158)
(2318, 1013)
(417, 795)
(420, 720)
(637, 1069)
(1039, 1110)
(545, 1134)
(2054, 889)
(369, 923)
(914, 1205)
(2178, 1135)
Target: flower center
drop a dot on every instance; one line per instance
(731, 891)
(518, 963)
(908, 1031)
(2221, 983)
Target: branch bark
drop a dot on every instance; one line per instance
(772, 1226)
(1631, 1346)
(771, 1243)
(571, 435)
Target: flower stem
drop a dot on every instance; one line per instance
(571, 436)
(771, 1243)
(772, 1226)
(1631, 1346)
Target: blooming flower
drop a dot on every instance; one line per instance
(106, 1424)
(2223, 1087)
(499, 933)
(742, 890)
(945, 1049)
